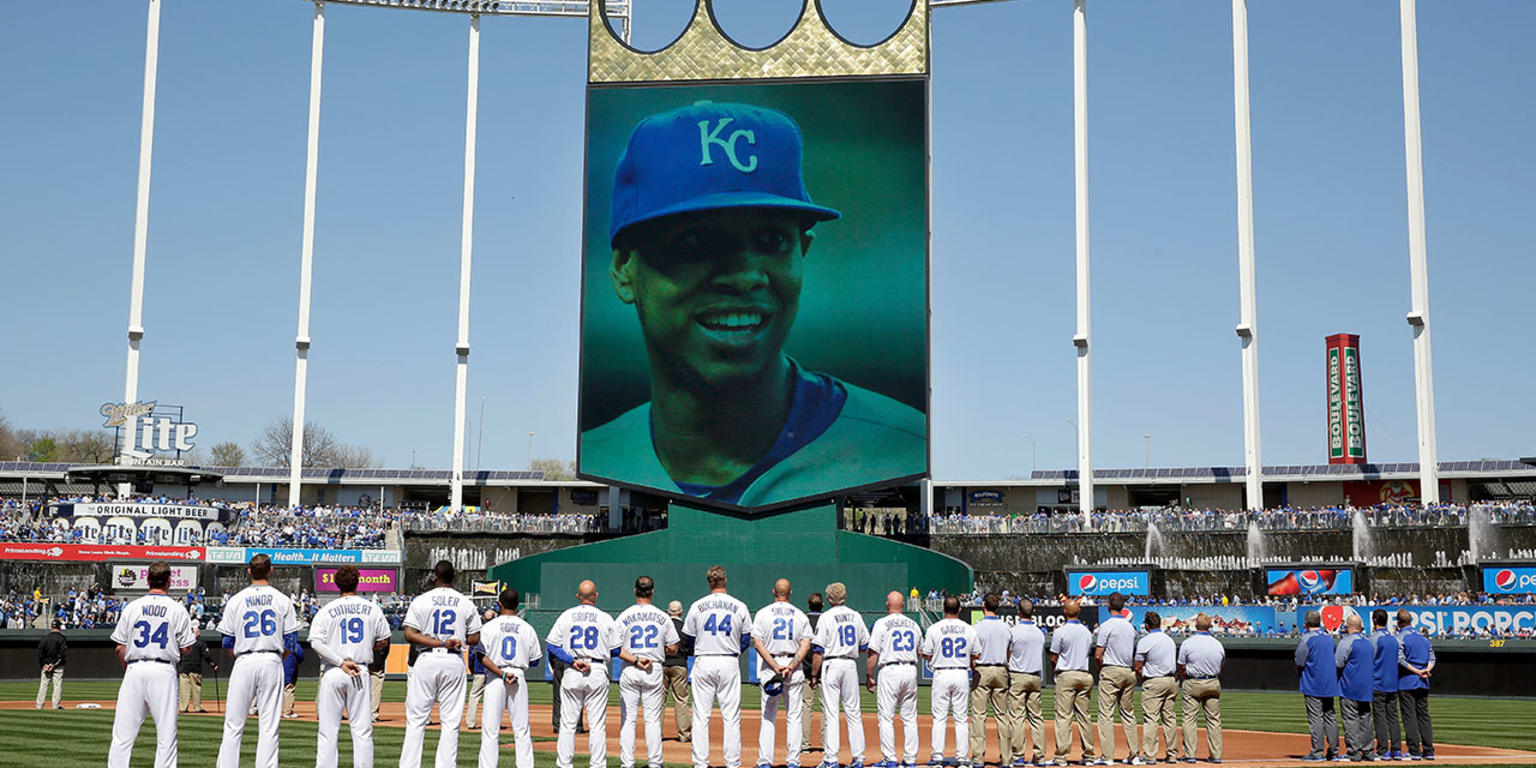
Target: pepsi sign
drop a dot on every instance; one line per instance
(1508, 580)
(1103, 583)
(1310, 581)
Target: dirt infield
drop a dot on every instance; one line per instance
(1251, 748)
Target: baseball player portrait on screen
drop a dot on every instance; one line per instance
(740, 392)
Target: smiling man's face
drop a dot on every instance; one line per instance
(716, 291)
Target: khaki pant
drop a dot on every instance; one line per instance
(57, 676)
(1073, 691)
(1159, 701)
(675, 682)
(288, 693)
(1024, 708)
(476, 691)
(1117, 690)
(1206, 695)
(811, 704)
(191, 690)
(378, 692)
(989, 687)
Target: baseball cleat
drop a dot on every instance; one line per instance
(1429, 756)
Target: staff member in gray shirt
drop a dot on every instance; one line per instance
(1156, 661)
(1026, 652)
(1200, 660)
(989, 684)
(1117, 683)
(1069, 656)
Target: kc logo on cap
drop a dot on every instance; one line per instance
(709, 156)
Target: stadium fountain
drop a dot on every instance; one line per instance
(1156, 546)
(1479, 535)
(1362, 542)
(1257, 547)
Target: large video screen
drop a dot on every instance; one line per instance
(755, 289)
(1310, 581)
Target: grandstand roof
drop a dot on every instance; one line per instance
(1407, 470)
(338, 475)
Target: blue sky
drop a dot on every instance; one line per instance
(1330, 214)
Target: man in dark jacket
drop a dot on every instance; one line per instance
(813, 606)
(190, 674)
(674, 670)
(1316, 666)
(50, 656)
(1416, 662)
(1389, 736)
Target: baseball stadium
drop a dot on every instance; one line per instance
(794, 306)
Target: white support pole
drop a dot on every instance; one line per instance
(1248, 322)
(306, 260)
(466, 246)
(1418, 260)
(141, 212)
(1084, 315)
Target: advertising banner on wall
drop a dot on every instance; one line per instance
(1438, 619)
(1101, 583)
(368, 580)
(1230, 620)
(1338, 580)
(1345, 399)
(95, 553)
(755, 258)
(1509, 579)
(1048, 617)
(127, 577)
(243, 555)
(180, 524)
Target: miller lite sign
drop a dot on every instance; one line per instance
(1346, 399)
(144, 433)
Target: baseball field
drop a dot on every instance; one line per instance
(1260, 729)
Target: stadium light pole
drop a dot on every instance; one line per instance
(141, 214)
(466, 248)
(1248, 294)
(1418, 260)
(1084, 315)
(306, 259)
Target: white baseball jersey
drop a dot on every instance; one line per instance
(840, 633)
(647, 631)
(443, 614)
(895, 638)
(154, 628)
(717, 622)
(949, 644)
(258, 617)
(585, 632)
(510, 643)
(347, 629)
(781, 626)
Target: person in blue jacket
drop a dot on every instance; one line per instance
(1389, 736)
(1416, 661)
(1357, 682)
(1319, 687)
(291, 662)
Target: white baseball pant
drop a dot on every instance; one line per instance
(794, 702)
(640, 691)
(338, 691)
(513, 698)
(951, 695)
(256, 680)
(148, 688)
(436, 678)
(897, 692)
(840, 691)
(590, 692)
(716, 678)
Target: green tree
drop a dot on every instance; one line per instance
(554, 469)
(44, 448)
(227, 454)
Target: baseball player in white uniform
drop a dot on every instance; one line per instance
(949, 645)
(781, 633)
(840, 637)
(721, 628)
(442, 623)
(345, 635)
(151, 635)
(259, 625)
(509, 646)
(892, 675)
(648, 636)
(585, 638)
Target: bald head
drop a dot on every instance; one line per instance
(781, 591)
(1069, 609)
(586, 592)
(895, 602)
(1353, 624)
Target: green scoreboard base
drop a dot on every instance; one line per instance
(803, 546)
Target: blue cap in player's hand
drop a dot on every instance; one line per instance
(710, 156)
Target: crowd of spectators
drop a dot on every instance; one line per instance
(469, 521)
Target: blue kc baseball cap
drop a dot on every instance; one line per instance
(709, 156)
